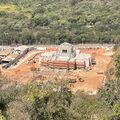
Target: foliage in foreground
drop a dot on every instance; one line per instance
(46, 102)
(110, 93)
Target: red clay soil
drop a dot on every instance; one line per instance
(93, 51)
(93, 79)
(22, 73)
(19, 74)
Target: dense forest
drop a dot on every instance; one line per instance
(56, 21)
(56, 102)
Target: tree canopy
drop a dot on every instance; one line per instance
(56, 21)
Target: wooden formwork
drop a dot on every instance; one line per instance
(58, 64)
(80, 65)
(63, 64)
(44, 62)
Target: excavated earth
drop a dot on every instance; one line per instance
(30, 70)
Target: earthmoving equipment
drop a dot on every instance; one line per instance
(80, 80)
(100, 72)
(71, 80)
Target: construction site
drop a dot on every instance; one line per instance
(82, 67)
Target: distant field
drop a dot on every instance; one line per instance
(7, 8)
(10, 8)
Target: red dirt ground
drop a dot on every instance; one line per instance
(92, 80)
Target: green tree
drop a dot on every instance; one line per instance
(117, 66)
(52, 107)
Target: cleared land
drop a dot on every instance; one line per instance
(29, 69)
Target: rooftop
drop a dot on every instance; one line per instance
(66, 44)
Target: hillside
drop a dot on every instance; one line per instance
(55, 101)
(56, 21)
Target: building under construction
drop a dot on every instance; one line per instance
(67, 57)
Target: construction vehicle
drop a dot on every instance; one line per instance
(80, 80)
(71, 80)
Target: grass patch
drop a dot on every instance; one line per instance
(28, 15)
(7, 8)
